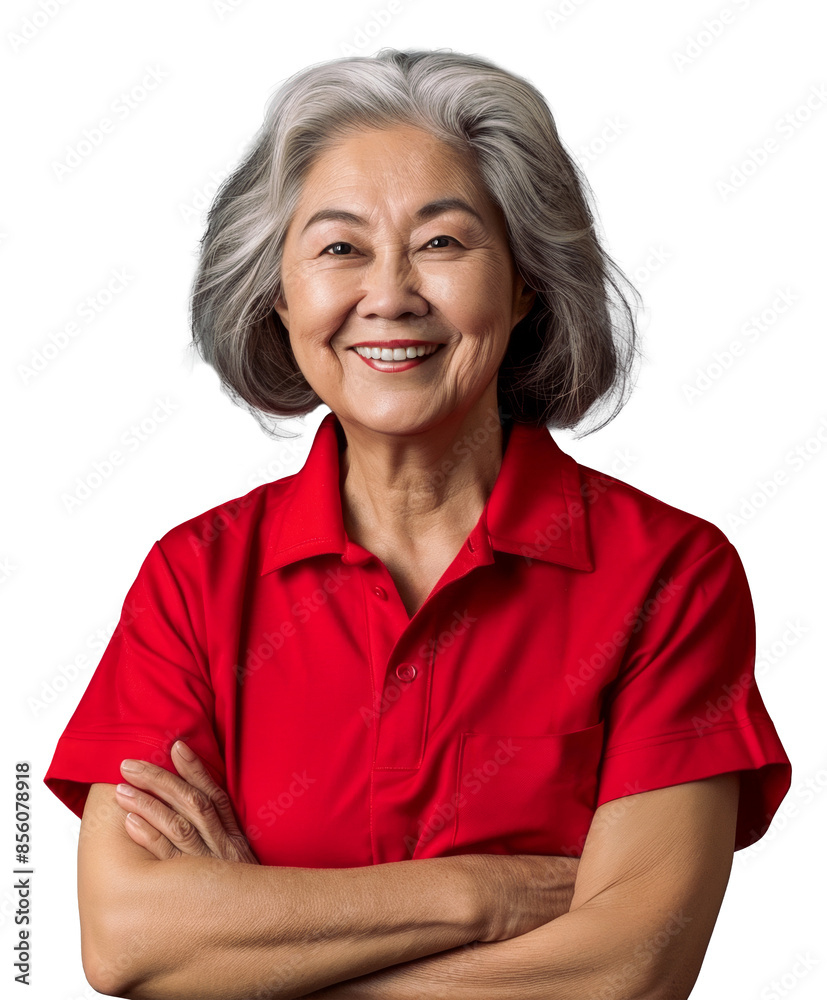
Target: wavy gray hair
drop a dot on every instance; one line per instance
(575, 347)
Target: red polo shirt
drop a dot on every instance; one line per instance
(587, 642)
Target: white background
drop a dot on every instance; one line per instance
(660, 106)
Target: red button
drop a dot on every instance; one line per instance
(406, 672)
(470, 545)
(381, 593)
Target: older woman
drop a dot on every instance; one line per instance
(444, 687)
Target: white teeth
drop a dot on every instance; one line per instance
(395, 353)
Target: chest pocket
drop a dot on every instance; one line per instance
(526, 794)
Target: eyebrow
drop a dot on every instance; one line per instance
(429, 211)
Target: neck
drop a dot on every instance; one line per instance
(410, 491)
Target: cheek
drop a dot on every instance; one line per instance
(480, 297)
(483, 316)
(317, 310)
(482, 355)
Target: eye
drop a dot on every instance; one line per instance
(336, 246)
(449, 238)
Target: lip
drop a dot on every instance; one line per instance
(396, 343)
(394, 367)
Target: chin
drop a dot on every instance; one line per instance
(396, 421)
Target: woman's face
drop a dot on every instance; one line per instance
(375, 256)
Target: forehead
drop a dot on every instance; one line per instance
(399, 161)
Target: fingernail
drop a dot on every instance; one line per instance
(132, 765)
(184, 750)
(126, 789)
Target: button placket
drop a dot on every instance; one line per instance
(403, 680)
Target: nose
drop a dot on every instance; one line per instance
(391, 287)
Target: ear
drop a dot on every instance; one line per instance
(280, 305)
(524, 298)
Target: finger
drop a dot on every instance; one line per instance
(234, 846)
(192, 769)
(175, 829)
(187, 801)
(148, 837)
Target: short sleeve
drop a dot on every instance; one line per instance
(685, 705)
(150, 688)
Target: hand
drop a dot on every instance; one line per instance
(190, 815)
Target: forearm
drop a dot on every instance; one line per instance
(201, 927)
(649, 887)
(587, 954)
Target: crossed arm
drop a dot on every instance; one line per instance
(182, 882)
(648, 890)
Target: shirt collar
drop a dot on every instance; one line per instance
(536, 508)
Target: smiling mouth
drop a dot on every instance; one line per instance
(396, 359)
(397, 353)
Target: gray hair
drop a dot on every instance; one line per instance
(577, 344)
